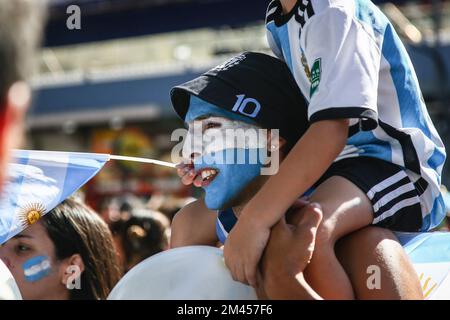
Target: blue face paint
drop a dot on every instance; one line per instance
(233, 176)
(198, 107)
(231, 180)
(36, 268)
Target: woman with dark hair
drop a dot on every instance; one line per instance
(140, 235)
(67, 255)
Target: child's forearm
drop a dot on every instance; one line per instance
(305, 164)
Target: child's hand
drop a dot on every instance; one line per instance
(243, 249)
(287, 254)
(291, 245)
(246, 243)
(187, 174)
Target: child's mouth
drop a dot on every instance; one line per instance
(205, 176)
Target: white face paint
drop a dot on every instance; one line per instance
(214, 134)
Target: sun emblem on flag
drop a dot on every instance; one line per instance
(31, 213)
(428, 285)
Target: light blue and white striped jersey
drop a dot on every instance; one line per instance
(349, 63)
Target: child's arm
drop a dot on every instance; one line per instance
(305, 164)
(194, 224)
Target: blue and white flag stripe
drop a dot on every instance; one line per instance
(42, 180)
(430, 254)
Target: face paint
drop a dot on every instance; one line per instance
(231, 179)
(228, 156)
(36, 268)
(215, 134)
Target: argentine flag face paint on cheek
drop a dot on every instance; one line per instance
(36, 268)
(228, 151)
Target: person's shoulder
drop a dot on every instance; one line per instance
(193, 210)
(194, 224)
(198, 204)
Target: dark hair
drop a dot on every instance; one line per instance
(75, 228)
(142, 235)
(21, 24)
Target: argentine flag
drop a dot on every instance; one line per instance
(430, 254)
(40, 180)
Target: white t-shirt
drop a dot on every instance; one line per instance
(8, 286)
(349, 63)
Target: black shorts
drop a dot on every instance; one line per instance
(394, 197)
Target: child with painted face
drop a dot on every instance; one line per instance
(226, 181)
(233, 143)
(67, 255)
(274, 101)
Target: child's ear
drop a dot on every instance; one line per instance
(71, 268)
(274, 141)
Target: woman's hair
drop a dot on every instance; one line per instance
(142, 234)
(75, 228)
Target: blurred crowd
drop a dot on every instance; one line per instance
(140, 228)
(71, 252)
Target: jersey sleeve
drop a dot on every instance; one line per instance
(274, 46)
(343, 61)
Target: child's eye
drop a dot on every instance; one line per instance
(22, 248)
(211, 125)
